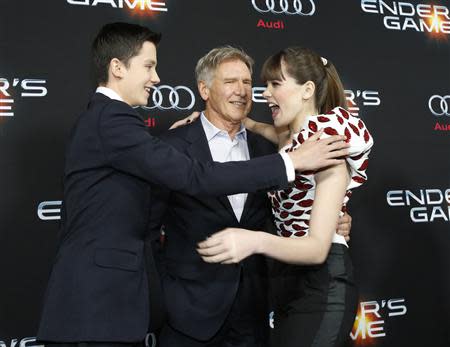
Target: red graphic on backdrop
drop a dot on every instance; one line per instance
(270, 24)
(441, 127)
(371, 319)
(150, 122)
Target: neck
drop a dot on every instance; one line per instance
(231, 127)
(297, 124)
(115, 87)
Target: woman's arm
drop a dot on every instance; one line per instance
(269, 132)
(232, 245)
(313, 249)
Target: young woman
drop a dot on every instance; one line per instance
(315, 297)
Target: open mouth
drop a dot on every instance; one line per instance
(148, 90)
(275, 109)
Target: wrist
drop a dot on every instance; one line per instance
(297, 164)
(260, 244)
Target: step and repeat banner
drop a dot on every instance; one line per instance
(394, 59)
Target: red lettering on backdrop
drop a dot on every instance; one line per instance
(279, 24)
(441, 127)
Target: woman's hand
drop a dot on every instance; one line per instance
(229, 246)
(189, 119)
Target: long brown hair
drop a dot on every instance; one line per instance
(303, 64)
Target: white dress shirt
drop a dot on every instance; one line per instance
(109, 93)
(224, 149)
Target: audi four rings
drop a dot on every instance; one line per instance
(439, 105)
(174, 100)
(299, 7)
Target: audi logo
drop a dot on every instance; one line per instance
(289, 7)
(171, 98)
(439, 105)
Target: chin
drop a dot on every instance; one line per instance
(142, 102)
(278, 123)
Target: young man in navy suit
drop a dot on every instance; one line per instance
(98, 294)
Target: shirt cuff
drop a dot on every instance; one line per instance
(290, 171)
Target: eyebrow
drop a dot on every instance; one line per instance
(150, 61)
(236, 79)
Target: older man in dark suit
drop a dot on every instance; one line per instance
(213, 305)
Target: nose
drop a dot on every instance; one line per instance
(266, 93)
(240, 89)
(155, 78)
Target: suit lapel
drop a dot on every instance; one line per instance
(199, 149)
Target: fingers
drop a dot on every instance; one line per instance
(337, 154)
(193, 116)
(316, 136)
(334, 138)
(176, 124)
(344, 226)
(189, 119)
(211, 251)
(343, 229)
(336, 145)
(215, 239)
(344, 219)
(210, 242)
(230, 261)
(349, 218)
(224, 258)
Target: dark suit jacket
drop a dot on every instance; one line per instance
(98, 287)
(198, 295)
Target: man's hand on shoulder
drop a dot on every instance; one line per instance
(316, 153)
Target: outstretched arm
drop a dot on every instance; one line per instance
(278, 136)
(232, 245)
(267, 131)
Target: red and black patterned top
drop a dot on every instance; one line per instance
(292, 207)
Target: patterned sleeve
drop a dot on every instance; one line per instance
(341, 122)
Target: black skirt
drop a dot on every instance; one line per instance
(314, 306)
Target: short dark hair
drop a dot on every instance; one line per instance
(118, 40)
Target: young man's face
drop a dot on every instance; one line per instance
(139, 76)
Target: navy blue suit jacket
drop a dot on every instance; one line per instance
(98, 288)
(198, 295)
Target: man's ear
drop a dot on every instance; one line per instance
(203, 90)
(117, 68)
(308, 90)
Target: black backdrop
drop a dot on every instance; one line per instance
(396, 73)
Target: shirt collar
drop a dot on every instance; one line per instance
(211, 130)
(109, 93)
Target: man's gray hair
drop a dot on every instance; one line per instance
(207, 65)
